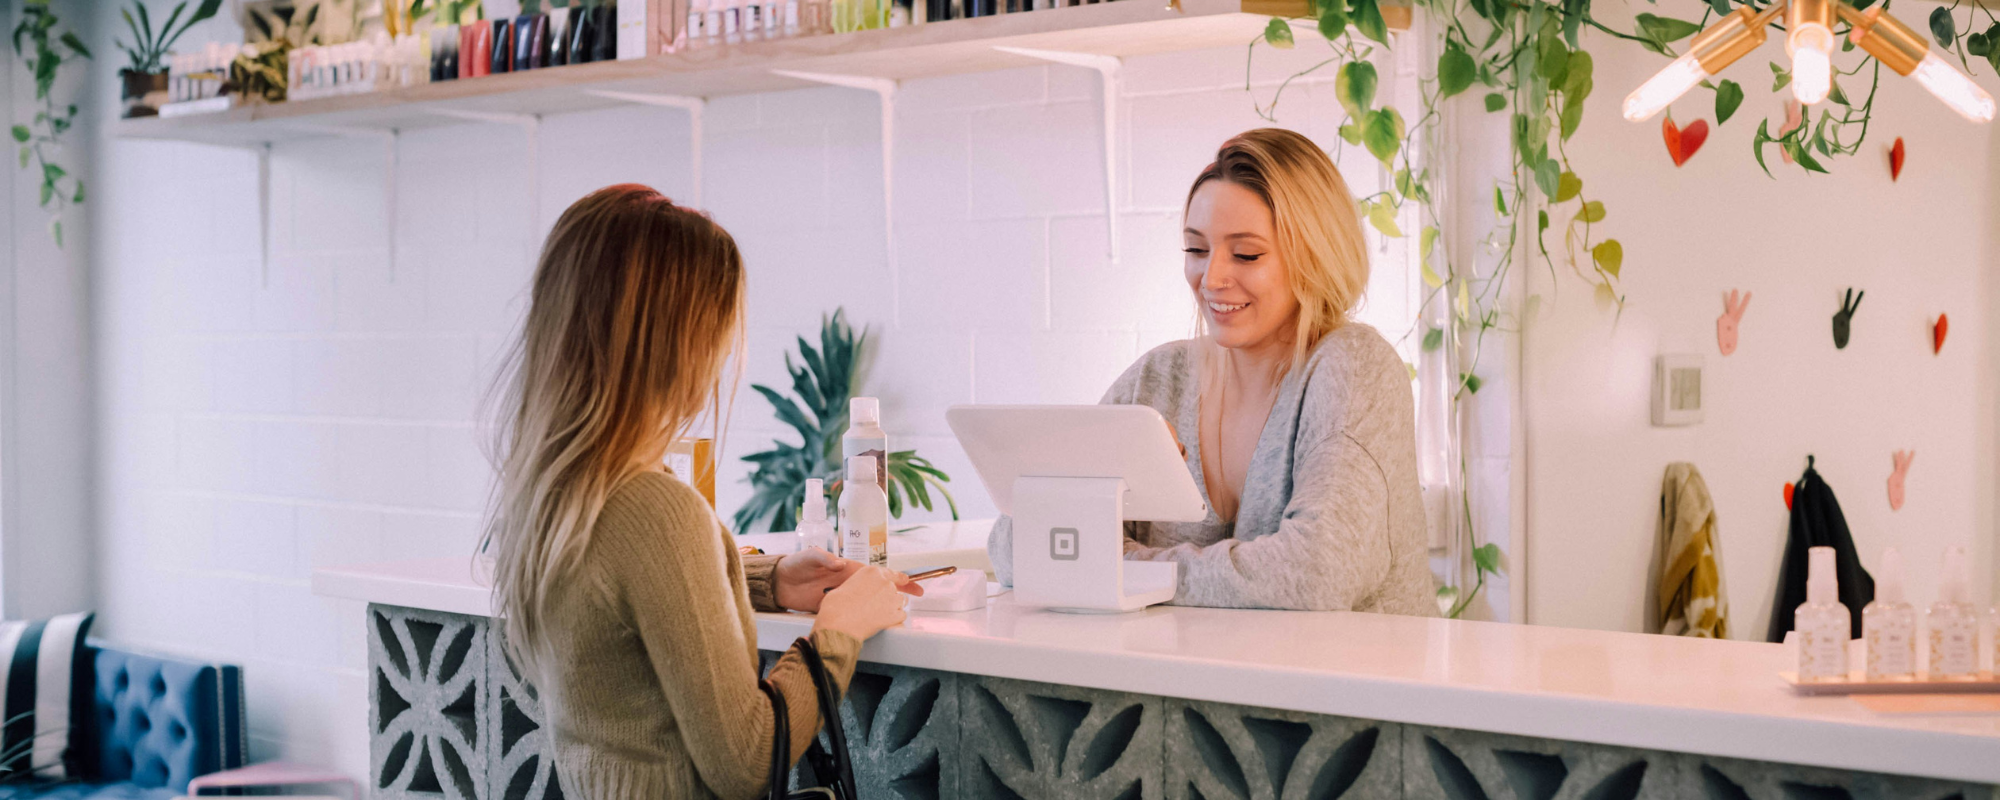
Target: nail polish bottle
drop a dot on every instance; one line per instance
(604, 43)
(502, 54)
(582, 34)
(1890, 624)
(1952, 623)
(1822, 622)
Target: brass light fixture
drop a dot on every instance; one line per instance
(1809, 40)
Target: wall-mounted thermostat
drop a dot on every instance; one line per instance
(1676, 390)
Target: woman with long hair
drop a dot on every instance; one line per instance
(624, 600)
(1298, 423)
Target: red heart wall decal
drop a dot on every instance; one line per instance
(1683, 142)
(1896, 159)
(1788, 497)
(1938, 331)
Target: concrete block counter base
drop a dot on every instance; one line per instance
(451, 720)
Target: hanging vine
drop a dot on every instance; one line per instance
(40, 141)
(1530, 59)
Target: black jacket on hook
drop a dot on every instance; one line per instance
(1817, 522)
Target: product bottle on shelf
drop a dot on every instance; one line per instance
(753, 21)
(773, 14)
(1890, 625)
(1953, 624)
(1989, 641)
(692, 30)
(1822, 622)
(793, 26)
(732, 27)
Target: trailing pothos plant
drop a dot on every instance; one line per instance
(1531, 60)
(45, 51)
(825, 380)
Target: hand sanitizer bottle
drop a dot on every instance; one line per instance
(864, 437)
(864, 516)
(1890, 625)
(1953, 624)
(1823, 624)
(814, 528)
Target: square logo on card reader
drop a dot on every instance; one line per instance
(1062, 544)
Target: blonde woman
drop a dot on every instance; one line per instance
(1298, 424)
(623, 597)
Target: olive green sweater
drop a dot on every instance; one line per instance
(651, 687)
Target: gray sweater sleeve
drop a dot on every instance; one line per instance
(1328, 548)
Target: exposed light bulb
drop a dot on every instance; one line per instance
(1812, 62)
(1954, 88)
(1662, 89)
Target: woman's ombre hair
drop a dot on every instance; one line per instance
(636, 305)
(1317, 225)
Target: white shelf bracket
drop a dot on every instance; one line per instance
(390, 139)
(1108, 68)
(885, 91)
(692, 105)
(264, 215)
(531, 127)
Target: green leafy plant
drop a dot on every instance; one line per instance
(824, 380)
(262, 70)
(41, 139)
(148, 47)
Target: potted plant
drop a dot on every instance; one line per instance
(824, 384)
(145, 80)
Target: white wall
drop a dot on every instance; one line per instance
(1919, 246)
(256, 426)
(46, 392)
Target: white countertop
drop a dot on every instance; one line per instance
(464, 585)
(1635, 690)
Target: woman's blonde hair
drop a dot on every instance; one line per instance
(636, 305)
(1318, 226)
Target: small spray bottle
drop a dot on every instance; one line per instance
(1823, 624)
(815, 530)
(1953, 624)
(1890, 625)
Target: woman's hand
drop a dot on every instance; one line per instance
(866, 603)
(805, 577)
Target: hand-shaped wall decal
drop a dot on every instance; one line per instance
(1732, 316)
(1902, 459)
(1843, 319)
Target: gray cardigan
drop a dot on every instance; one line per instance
(1331, 517)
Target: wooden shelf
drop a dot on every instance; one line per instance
(1122, 28)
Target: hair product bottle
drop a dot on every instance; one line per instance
(864, 437)
(864, 516)
(1953, 624)
(815, 530)
(1890, 625)
(1822, 623)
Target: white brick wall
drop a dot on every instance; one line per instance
(257, 426)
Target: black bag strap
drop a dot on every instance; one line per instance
(781, 742)
(842, 766)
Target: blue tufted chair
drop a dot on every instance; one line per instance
(158, 724)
